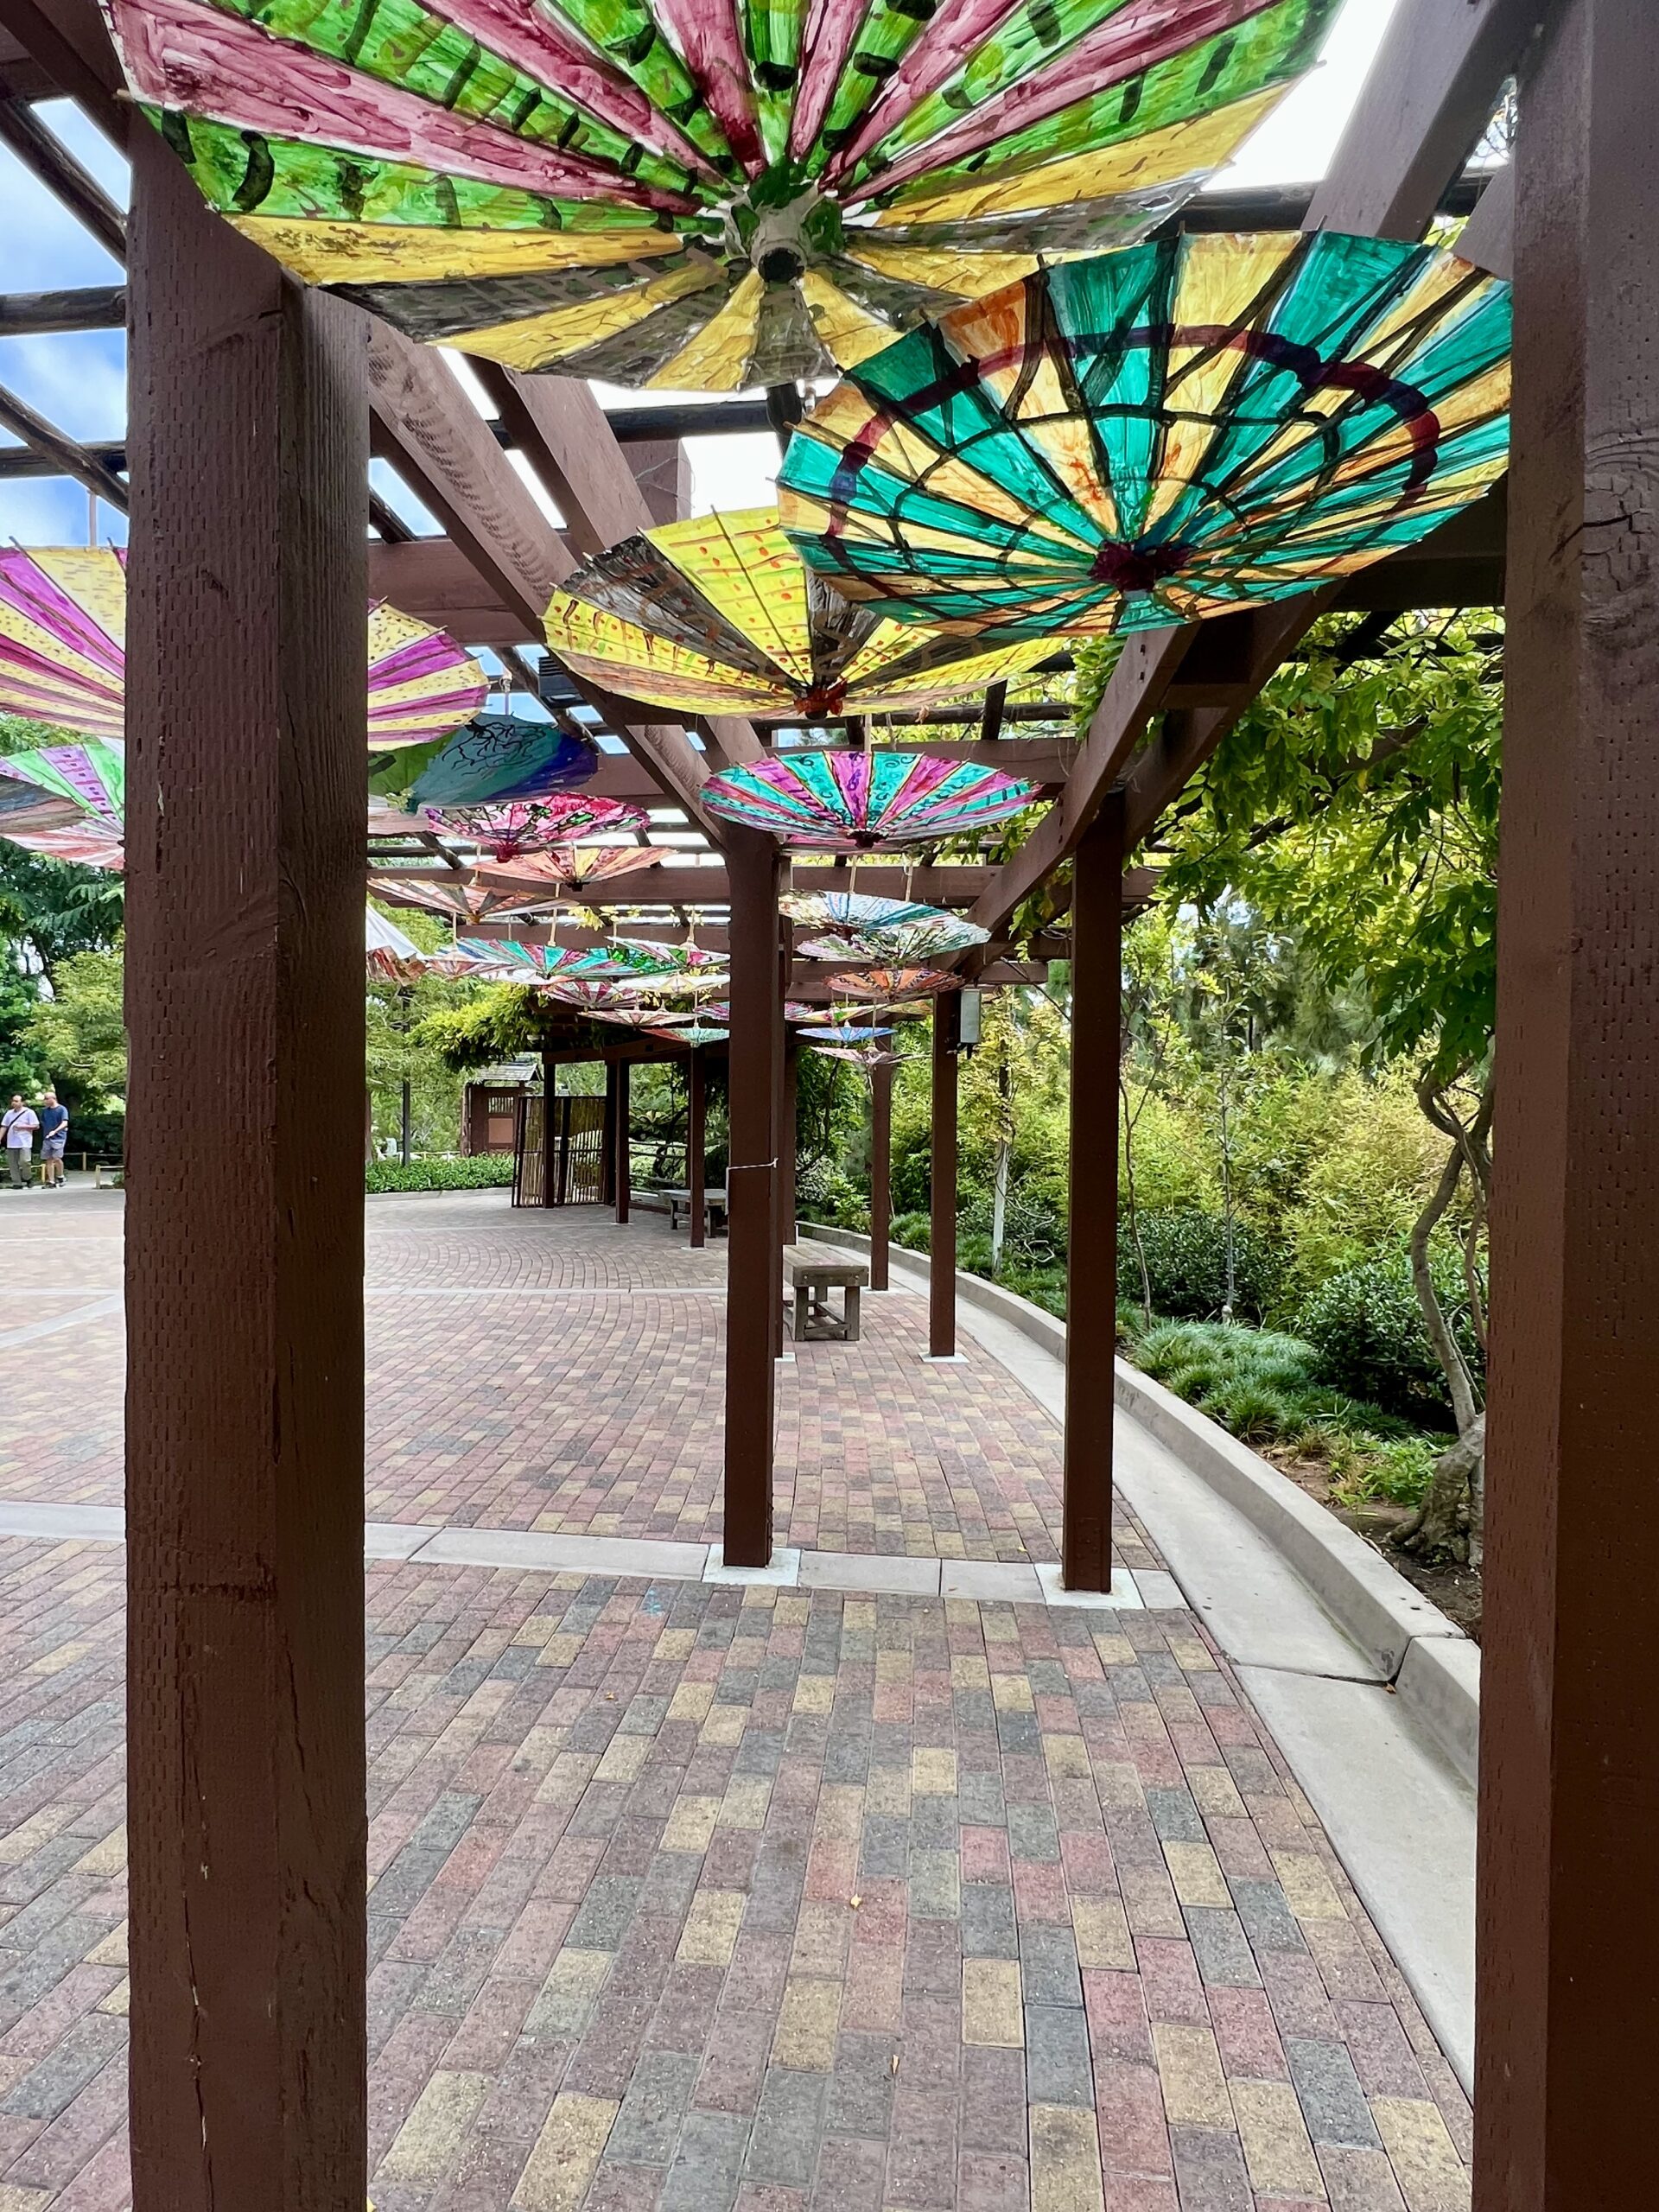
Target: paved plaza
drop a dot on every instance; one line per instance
(690, 1896)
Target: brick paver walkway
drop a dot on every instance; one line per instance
(530, 1370)
(688, 1898)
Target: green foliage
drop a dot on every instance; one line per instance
(1033, 1230)
(21, 1068)
(1356, 805)
(913, 1230)
(1186, 1254)
(1368, 1328)
(79, 1033)
(483, 1172)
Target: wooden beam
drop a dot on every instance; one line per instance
(1567, 1913)
(20, 419)
(562, 430)
(43, 153)
(880, 1173)
(67, 39)
(754, 1291)
(1092, 1250)
(246, 672)
(942, 1230)
(711, 886)
(41, 314)
(434, 437)
(432, 578)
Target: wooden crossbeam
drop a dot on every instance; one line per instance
(708, 886)
(43, 153)
(20, 419)
(43, 315)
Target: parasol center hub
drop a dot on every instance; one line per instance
(780, 225)
(1138, 568)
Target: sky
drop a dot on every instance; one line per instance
(78, 380)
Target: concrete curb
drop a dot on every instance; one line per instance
(1432, 1666)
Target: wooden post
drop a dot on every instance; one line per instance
(554, 1148)
(246, 663)
(881, 1171)
(623, 1172)
(607, 1140)
(788, 1146)
(1567, 1935)
(696, 1142)
(1091, 1258)
(753, 1286)
(942, 1239)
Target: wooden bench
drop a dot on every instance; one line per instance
(714, 1210)
(810, 1277)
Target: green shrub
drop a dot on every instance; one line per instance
(1186, 1264)
(1368, 1328)
(485, 1171)
(913, 1230)
(1032, 1231)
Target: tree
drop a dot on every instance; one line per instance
(1356, 806)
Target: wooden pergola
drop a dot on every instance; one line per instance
(254, 408)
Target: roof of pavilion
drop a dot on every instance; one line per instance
(488, 575)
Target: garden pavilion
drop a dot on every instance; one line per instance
(254, 408)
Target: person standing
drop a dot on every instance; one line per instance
(54, 1135)
(18, 1124)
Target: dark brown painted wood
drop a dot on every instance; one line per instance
(942, 1238)
(1568, 1937)
(608, 1144)
(622, 1174)
(245, 667)
(788, 1146)
(696, 1153)
(753, 1280)
(880, 1172)
(1091, 1262)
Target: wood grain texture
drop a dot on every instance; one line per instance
(942, 1230)
(1567, 1943)
(752, 1273)
(1091, 1254)
(881, 1172)
(245, 671)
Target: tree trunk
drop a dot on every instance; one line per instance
(1448, 1523)
(1134, 1210)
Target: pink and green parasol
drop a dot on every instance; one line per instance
(892, 983)
(695, 193)
(463, 899)
(854, 801)
(535, 825)
(571, 866)
(63, 625)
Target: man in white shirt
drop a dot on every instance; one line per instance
(19, 1124)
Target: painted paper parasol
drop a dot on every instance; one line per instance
(528, 825)
(887, 929)
(464, 900)
(695, 1033)
(63, 624)
(854, 801)
(719, 615)
(689, 194)
(506, 960)
(1158, 435)
(90, 778)
(393, 956)
(866, 1056)
(575, 865)
(892, 983)
(492, 758)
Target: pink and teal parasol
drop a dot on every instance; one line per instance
(1158, 435)
(506, 960)
(571, 866)
(63, 625)
(694, 1033)
(693, 193)
(535, 825)
(854, 801)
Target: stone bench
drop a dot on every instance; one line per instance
(810, 1276)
